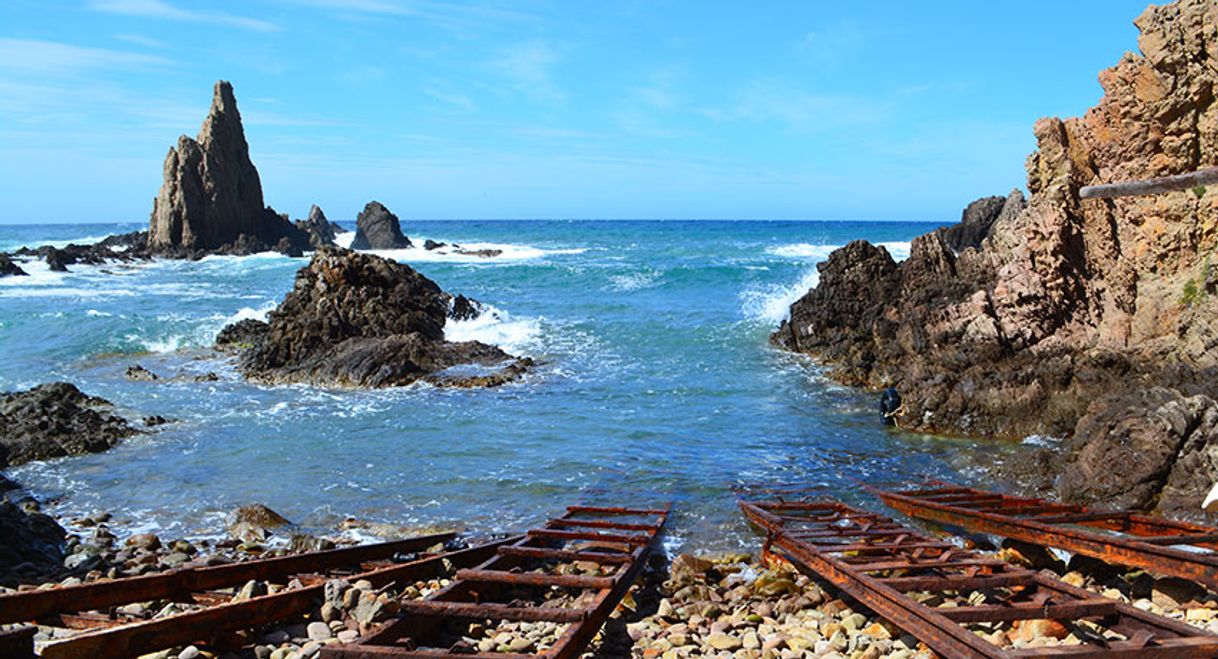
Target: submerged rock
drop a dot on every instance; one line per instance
(377, 228)
(211, 198)
(1060, 316)
(53, 420)
(361, 320)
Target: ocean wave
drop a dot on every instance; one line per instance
(771, 304)
(634, 281)
(899, 250)
(498, 327)
(507, 252)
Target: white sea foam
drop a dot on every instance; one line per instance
(771, 304)
(345, 239)
(634, 281)
(467, 253)
(497, 327)
(899, 250)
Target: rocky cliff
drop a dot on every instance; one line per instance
(211, 198)
(1066, 312)
(359, 320)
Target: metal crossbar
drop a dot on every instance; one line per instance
(883, 579)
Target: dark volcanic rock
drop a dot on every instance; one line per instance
(361, 320)
(979, 217)
(8, 268)
(241, 335)
(211, 199)
(321, 231)
(463, 308)
(430, 244)
(141, 374)
(33, 544)
(1092, 321)
(53, 420)
(377, 228)
(125, 247)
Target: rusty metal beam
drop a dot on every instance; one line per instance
(1141, 542)
(408, 635)
(942, 629)
(28, 605)
(146, 636)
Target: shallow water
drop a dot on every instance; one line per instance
(656, 381)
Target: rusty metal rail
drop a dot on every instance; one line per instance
(106, 633)
(1121, 537)
(880, 563)
(618, 539)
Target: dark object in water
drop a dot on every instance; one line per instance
(890, 403)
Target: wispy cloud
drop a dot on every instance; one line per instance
(782, 101)
(35, 56)
(141, 40)
(163, 10)
(529, 68)
(448, 15)
(449, 97)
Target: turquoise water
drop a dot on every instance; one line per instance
(655, 381)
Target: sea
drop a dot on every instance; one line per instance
(656, 382)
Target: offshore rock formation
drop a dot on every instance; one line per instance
(53, 420)
(321, 231)
(377, 228)
(359, 320)
(211, 199)
(8, 268)
(1092, 320)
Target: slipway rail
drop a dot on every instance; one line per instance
(1201, 177)
(618, 541)
(1123, 537)
(105, 632)
(880, 563)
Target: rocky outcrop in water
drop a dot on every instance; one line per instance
(359, 320)
(53, 420)
(8, 268)
(377, 228)
(321, 231)
(1062, 317)
(211, 198)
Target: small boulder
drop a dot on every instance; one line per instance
(253, 523)
(140, 374)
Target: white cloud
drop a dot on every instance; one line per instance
(164, 10)
(141, 40)
(528, 67)
(800, 109)
(35, 56)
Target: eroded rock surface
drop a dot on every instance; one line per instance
(321, 231)
(377, 228)
(1059, 317)
(211, 198)
(359, 320)
(53, 420)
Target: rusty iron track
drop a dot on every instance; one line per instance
(108, 634)
(880, 563)
(1121, 537)
(618, 539)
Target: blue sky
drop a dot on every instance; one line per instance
(536, 109)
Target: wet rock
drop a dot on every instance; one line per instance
(377, 228)
(463, 308)
(361, 320)
(147, 541)
(241, 335)
(140, 374)
(8, 268)
(430, 245)
(211, 198)
(54, 420)
(253, 523)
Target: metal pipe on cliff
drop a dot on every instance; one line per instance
(1151, 185)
